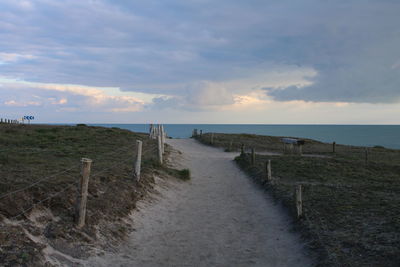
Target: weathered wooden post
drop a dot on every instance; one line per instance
(161, 133)
(160, 154)
(201, 133)
(230, 145)
(299, 201)
(82, 193)
(334, 147)
(253, 156)
(212, 139)
(138, 161)
(242, 150)
(366, 155)
(163, 137)
(268, 171)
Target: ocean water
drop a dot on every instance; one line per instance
(358, 135)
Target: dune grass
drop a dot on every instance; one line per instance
(49, 157)
(350, 205)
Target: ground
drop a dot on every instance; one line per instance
(350, 196)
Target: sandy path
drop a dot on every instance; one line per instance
(219, 218)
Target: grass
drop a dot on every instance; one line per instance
(183, 174)
(29, 153)
(350, 204)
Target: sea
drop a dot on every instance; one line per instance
(358, 135)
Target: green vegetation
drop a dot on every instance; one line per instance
(350, 204)
(49, 157)
(183, 174)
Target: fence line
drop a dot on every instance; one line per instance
(59, 173)
(8, 121)
(37, 182)
(161, 135)
(43, 200)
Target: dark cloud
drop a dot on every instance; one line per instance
(167, 46)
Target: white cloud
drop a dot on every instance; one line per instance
(15, 103)
(14, 57)
(81, 96)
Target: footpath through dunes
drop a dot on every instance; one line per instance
(218, 218)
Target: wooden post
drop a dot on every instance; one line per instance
(334, 147)
(82, 193)
(253, 156)
(242, 150)
(212, 139)
(160, 154)
(300, 150)
(366, 155)
(138, 161)
(201, 133)
(161, 133)
(164, 136)
(299, 201)
(230, 145)
(269, 172)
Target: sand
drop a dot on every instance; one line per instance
(218, 218)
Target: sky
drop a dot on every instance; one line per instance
(201, 61)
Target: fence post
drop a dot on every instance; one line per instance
(269, 172)
(161, 133)
(160, 154)
(242, 150)
(366, 155)
(253, 156)
(299, 201)
(82, 193)
(334, 147)
(212, 139)
(230, 145)
(138, 160)
(300, 149)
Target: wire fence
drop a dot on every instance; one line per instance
(104, 158)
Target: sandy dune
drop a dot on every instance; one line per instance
(219, 218)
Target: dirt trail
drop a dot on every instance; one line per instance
(219, 218)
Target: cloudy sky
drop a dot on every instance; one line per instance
(201, 61)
